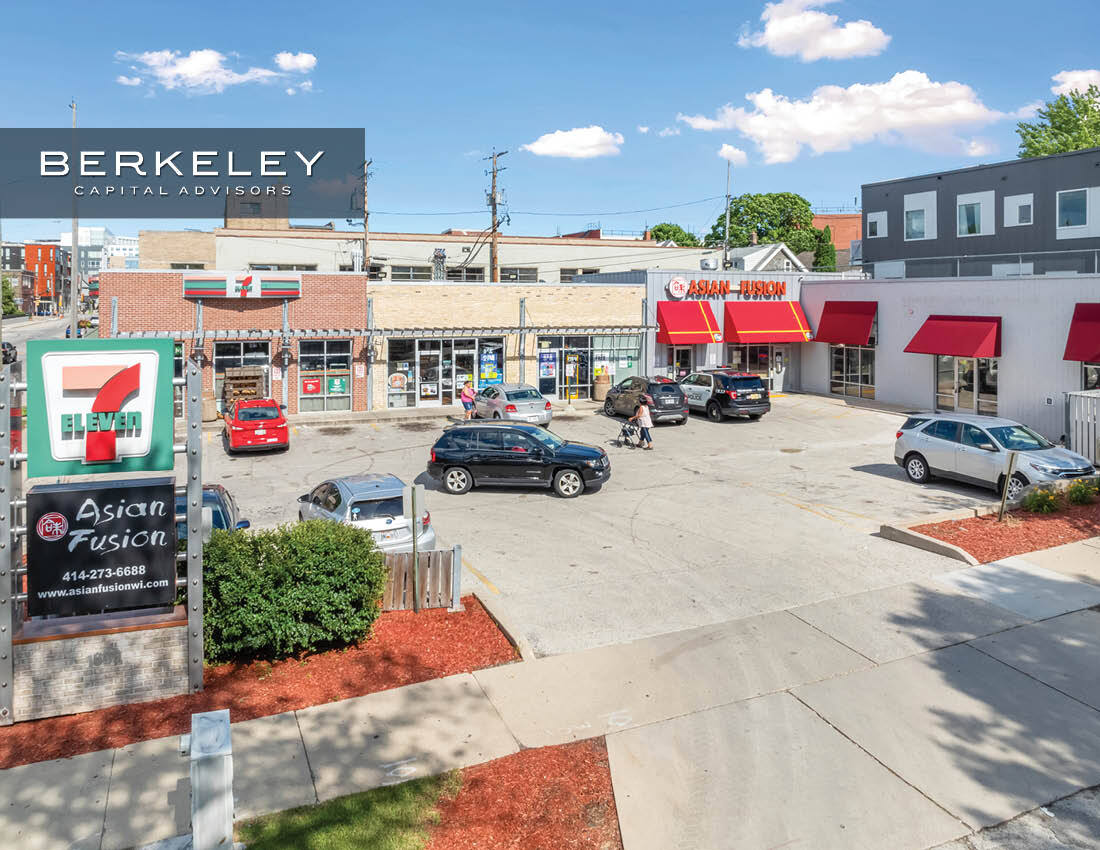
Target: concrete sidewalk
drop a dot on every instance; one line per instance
(899, 718)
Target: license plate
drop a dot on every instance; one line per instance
(668, 402)
(273, 439)
(754, 395)
(259, 432)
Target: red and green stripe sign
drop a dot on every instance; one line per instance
(242, 285)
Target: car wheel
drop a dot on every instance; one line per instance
(1016, 486)
(916, 467)
(608, 408)
(568, 483)
(457, 480)
(714, 412)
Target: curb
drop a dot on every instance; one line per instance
(901, 534)
(514, 635)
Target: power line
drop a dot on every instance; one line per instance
(562, 214)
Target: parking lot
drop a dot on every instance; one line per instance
(721, 521)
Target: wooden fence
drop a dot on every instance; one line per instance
(440, 579)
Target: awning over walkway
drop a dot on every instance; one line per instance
(766, 321)
(958, 336)
(1083, 342)
(846, 322)
(686, 323)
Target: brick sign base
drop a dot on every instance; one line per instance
(83, 673)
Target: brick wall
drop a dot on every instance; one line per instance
(158, 249)
(57, 677)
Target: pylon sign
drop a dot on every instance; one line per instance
(99, 405)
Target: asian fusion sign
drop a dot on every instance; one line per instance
(99, 406)
(242, 285)
(679, 287)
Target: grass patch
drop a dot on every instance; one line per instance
(397, 817)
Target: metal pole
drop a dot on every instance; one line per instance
(7, 564)
(416, 555)
(366, 221)
(74, 273)
(286, 350)
(522, 339)
(370, 354)
(645, 336)
(194, 524)
(1004, 490)
(456, 578)
(726, 241)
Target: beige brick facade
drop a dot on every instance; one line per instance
(160, 249)
(153, 301)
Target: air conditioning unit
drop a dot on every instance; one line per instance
(708, 265)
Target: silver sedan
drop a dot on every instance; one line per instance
(514, 402)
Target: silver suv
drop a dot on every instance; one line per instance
(974, 449)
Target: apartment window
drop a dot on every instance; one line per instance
(249, 209)
(185, 265)
(1073, 208)
(876, 224)
(518, 274)
(1024, 214)
(566, 275)
(467, 273)
(281, 267)
(970, 219)
(411, 273)
(1018, 210)
(914, 224)
(787, 266)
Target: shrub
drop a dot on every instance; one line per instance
(1081, 492)
(297, 588)
(1041, 502)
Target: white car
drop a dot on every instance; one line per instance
(373, 502)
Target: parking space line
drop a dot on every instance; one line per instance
(485, 581)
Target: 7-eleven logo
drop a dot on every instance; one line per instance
(243, 287)
(100, 405)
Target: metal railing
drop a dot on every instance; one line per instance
(1018, 264)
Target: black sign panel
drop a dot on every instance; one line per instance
(101, 547)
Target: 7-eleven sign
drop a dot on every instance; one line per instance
(99, 406)
(242, 285)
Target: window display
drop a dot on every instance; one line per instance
(324, 375)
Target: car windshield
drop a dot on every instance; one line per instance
(1019, 438)
(257, 414)
(377, 508)
(524, 395)
(547, 438)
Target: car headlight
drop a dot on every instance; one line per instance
(1044, 468)
(592, 464)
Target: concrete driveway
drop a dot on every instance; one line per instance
(720, 521)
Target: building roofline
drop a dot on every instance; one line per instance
(1018, 161)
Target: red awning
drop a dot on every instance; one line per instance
(958, 336)
(1084, 334)
(686, 323)
(846, 322)
(766, 321)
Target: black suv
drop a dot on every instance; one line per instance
(669, 401)
(515, 454)
(726, 393)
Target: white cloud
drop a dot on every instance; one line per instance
(908, 108)
(794, 28)
(292, 91)
(669, 131)
(734, 155)
(306, 85)
(980, 147)
(300, 62)
(123, 80)
(643, 129)
(1068, 81)
(578, 143)
(201, 71)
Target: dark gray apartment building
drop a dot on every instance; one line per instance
(1023, 217)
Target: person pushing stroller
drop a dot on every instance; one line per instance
(644, 420)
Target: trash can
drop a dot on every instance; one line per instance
(209, 409)
(600, 386)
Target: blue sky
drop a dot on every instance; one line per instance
(438, 85)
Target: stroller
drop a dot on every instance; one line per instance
(629, 435)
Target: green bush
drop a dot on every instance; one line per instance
(304, 587)
(1081, 492)
(1041, 502)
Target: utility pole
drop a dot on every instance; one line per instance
(726, 241)
(74, 263)
(366, 219)
(494, 254)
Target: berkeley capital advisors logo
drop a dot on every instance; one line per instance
(100, 405)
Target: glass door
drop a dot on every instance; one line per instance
(465, 363)
(428, 368)
(945, 382)
(446, 373)
(680, 360)
(966, 397)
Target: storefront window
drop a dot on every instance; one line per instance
(231, 355)
(401, 373)
(324, 375)
(428, 372)
(966, 384)
(490, 359)
(852, 370)
(987, 387)
(177, 392)
(569, 365)
(1092, 376)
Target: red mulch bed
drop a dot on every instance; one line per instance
(553, 798)
(405, 648)
(1022, 532)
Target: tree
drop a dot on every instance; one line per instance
(774, 217)
(8, 297)
(667, 230)
(825, 252)
(1070, 122)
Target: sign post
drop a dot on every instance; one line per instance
(411, 496)
(9, 544)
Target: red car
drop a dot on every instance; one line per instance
(255, 424)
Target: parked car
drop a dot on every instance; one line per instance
(372, 501)
(517, 455)
(722, 393)
(256, 423)
(669, 401)
(223, 509)
(513, 402)
(974, 449)
(9, 352)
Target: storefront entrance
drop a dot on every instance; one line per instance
(431, 372)
(966, 384)
(770, 362)
(681, 360)
(568, 365)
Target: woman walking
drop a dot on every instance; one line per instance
(467, 398)
(644, 419)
